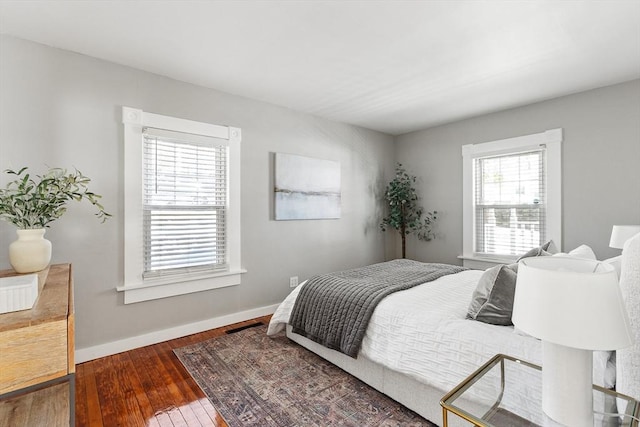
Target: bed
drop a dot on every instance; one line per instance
(419, 343)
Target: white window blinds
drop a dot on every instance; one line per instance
(509, 203)
(185, 202)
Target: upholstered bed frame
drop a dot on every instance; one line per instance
(425, 399)
(419, 397)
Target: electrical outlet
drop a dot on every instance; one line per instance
(293, 281)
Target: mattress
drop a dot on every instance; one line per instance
(423, 333)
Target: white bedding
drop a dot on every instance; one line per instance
(423, 333)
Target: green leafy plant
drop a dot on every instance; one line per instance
(30, 203)
(405, 213)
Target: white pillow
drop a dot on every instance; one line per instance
(583, 251)
(616, 262)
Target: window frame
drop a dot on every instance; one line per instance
(552, 139)
(135, 287)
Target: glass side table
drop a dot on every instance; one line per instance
(506, 391)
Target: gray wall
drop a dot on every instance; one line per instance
(600, 165)
(62, 109)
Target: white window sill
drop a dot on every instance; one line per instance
(482, 263)
(171, 286)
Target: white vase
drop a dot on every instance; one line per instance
(31, 252)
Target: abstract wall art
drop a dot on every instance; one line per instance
(306, 188)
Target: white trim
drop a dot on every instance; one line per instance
(182, 125)
(554, 192)
(163, 280)
(482, 263)
(194, 139)
(135, 287)
(510, 145)
(553, 140)
(234, 200)
(182, 285)
(114, 347)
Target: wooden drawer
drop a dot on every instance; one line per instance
(32, 355)
(37, 365)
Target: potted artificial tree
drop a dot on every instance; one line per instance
(405, 213)
(32, 204)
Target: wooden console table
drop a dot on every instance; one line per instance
(37, 365)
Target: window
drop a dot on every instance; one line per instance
(511, 195)
(182, 206)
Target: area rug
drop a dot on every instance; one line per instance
(256, 380)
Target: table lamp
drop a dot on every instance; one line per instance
(574, 306)
(622, 233)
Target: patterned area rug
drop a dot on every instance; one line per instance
(256, 380)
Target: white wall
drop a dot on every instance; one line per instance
(62, 109)
(600, 165)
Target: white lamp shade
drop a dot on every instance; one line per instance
(622, 233)
(572, 302)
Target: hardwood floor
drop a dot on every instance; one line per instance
(146, 387)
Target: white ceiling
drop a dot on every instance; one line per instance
(392, 66)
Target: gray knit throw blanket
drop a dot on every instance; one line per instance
(334, 309)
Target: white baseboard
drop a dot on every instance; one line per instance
(114, 347)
